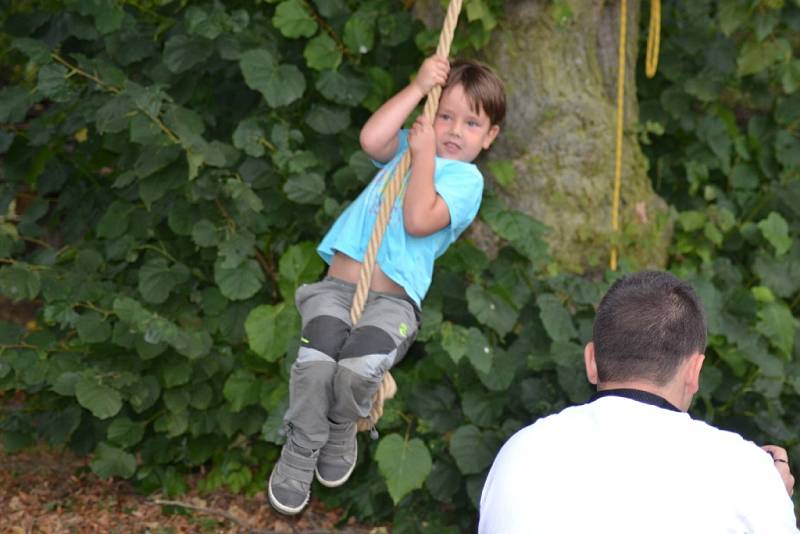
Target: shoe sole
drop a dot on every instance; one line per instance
(282, 508)
(337, 483)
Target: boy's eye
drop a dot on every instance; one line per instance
(473, 123)
(444, 116)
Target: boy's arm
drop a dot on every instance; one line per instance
(379, 135)
(424, 210)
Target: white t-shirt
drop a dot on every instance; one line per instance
(621, 466)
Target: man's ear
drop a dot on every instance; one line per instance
(491, 135)
(590, 363)
(692, 372)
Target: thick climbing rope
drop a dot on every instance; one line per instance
(388, 388)
(653, 45)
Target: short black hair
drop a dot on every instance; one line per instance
(647, 324)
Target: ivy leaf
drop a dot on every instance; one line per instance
(342, 88)
(240, 282)
(281, 85)
(182, 52)
(293, 20)
(15, 102)
(491, 309)
(37, 51)
(103, 401)
(778, 325)
(299, 264)
(270, 328)
(54, 83)
(472, 451)
(755, 56)
(555, 318)
(732, 14)
(242, 389)
(404, 464)
(113, 462)
(359, 32)
(525, 233)
(305, 188)
(157, 279)
(205, 234)
(787, 149)
(92, 328)
(248, 136)
(19, 283)
(322, 53)
(124, 432)
(454, 340)
(479, 352)
(327, 120)
(775, 230)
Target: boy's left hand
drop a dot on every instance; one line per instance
(422, 139)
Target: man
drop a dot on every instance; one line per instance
(632, 460)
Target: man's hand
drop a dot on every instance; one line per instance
(422, 140)
(781, 459)
(433, 72)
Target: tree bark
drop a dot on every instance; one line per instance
(560, 79)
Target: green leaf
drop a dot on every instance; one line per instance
(293, 20)
(182, 52)
(204, 233)
(454, 340)
(503, 171)
(92, 327)
(755, 56)
(53, 82)
(299, 264)
(522, 231)
(14, 103)
(249, 136)
(322, 53)
(157, 279)
(19, 283)
(491, 308)
(327, 119)
(471, 449)
(280, 84)
(555, 318)
(732, 14)
(778, 325)
(479, 351)
(270, 328)
(37, 51)
(113, 462)
(342, 88)
(787, 149)
(241, 282)
(124, 432)
(242, 389)
(775, 230)
(359, 32)
(103, 401)
(404, 464)
(305, 188)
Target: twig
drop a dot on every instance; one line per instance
(214, 511)
(330, 31)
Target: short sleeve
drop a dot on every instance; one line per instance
(402, 138)
(461, 188)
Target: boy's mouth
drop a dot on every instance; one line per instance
(451, 146)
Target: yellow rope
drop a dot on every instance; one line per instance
(388, 388)
(653, 45)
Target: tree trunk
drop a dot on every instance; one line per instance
(559, 132)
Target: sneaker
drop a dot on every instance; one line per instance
(289, 485)
(337, 458)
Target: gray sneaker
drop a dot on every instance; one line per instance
(337, 458)
(290, 482)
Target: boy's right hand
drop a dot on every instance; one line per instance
(433, 72)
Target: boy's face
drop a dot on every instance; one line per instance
(461, 132)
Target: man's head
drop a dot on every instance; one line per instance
(472, 106)
(647, 327)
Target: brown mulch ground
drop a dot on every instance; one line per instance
(46, 491)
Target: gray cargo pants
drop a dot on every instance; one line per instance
(339, 367)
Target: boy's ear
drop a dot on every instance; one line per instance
(490, 136)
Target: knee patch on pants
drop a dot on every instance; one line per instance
(368, 352)
(325, 334)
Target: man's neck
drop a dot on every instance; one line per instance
(667, 392)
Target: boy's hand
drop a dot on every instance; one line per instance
(433, 72)
(422, 139)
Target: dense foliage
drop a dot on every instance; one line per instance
(168, 169)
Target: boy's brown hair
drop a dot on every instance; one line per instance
(483, 88)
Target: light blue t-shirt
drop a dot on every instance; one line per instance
(406, 259)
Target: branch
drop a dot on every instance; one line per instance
(330, 31)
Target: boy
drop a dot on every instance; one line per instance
(339, 367)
